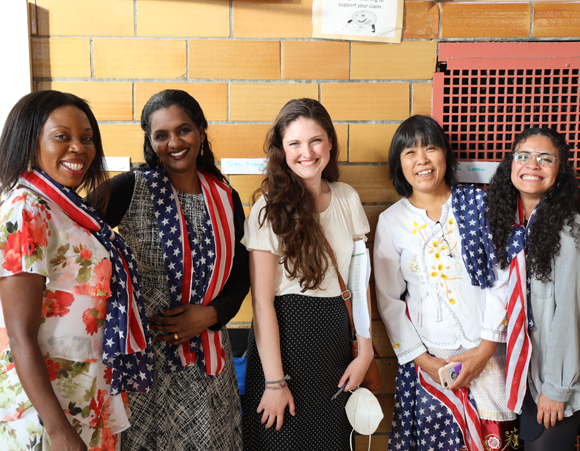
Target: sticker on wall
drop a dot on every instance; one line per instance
(243, 165)
(476, 171)
(358, 20)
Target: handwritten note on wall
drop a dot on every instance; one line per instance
(476, 171)
(243, 165)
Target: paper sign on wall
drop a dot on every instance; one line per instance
(243, 165)
(476, 171)
(118, 164)
(358, 20)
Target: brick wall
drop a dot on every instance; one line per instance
(242, 60)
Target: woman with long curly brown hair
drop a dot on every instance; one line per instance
(299, 346)
(535, 186)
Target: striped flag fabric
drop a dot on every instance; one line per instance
(197, 267)
(519, 346)
(127, 348)
(461, 407)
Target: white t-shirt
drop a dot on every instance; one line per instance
(343, 221)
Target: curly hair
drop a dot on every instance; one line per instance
(559, 208)
(419, 131)
(164, 99)
(290, 206)
(21, 135)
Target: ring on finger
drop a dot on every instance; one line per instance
(175, 337)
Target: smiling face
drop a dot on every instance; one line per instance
(307, 148)
(424, 168)
(531, 179)
(65, 147)
(175, 139)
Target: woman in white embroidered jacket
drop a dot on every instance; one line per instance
(431, 252)
(537, 188)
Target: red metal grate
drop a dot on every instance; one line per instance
(490, 92)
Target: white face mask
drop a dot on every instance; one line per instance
(364, 411)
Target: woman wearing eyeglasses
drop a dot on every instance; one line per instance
(441, 300)
(533, 199)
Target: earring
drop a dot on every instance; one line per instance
(29, 166)
(159, 163)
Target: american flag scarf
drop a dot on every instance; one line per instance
(127, 348)
(197, 267)
(519, 346)
(430, 417)
(469, 207)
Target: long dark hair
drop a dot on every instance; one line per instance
(21, 135)
(419, 131)
(165, 99)
(290, 206)
(559, 208)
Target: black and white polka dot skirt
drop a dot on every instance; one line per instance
(315, 348)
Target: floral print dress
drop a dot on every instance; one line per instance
(37, 237)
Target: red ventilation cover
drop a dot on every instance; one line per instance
(490, 92)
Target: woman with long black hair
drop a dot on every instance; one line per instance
(534, 215)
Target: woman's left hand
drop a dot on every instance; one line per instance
(356, 370)
(187, 321)
(473, 363)
(549, 412)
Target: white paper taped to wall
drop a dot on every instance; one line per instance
(243, 165)
(358, 280)
(118, 164)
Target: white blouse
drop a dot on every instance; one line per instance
(343, 221)
(421, 259)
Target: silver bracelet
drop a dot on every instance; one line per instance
(281, 384)
(285, 378)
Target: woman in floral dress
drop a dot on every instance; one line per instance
(62, 343)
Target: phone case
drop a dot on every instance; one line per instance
(448, 373)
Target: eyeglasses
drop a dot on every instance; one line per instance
(445, 240)
(543, 158)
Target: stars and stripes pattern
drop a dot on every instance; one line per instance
(519, 346)
(127, 348)
(197, 267)
(469, 207)
(428, 417)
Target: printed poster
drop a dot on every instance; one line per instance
(358, 20)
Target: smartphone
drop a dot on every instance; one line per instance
(448, 373)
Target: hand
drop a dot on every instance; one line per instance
(355, 372)
(549, 411)
(274, 404)
(473, 363)
(187, 321)
(67, 440)
(430, 365)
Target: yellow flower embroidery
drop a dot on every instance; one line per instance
(440, 267)
(451, 221)
(435, 244)
(418, 228)
(437, 256)
(452, 301)
(395, 344)
(434, 274)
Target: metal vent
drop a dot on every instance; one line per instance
(490, 92)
